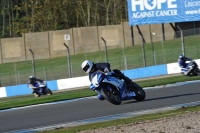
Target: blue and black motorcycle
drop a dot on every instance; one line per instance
(193, 69)
(116, 90)
(41, 89)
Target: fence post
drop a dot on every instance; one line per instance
(105, 49)
(72, 71)
(182, 41)
(125, 62)
(18, 77)
(152, 44)
(143, 50)
(154, 56)
(33, 62)
(45, 76)
(163, 49)
(68, 58)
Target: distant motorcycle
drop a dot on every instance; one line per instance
(115, 90)
(41, 89)
(193, 69)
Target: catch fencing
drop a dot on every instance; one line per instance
(158, 51)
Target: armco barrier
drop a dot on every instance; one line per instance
(77, 82)
(132, 74)
(146, 72)
(173, 68)
(24, 90)
(3, 92)
(73, 82)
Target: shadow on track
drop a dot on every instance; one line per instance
(159, 98)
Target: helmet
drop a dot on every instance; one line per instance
(181, 56)
(31, 77)
(87, 66)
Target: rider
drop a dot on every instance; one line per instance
(90, 67)
(182, 63)
(32, 82)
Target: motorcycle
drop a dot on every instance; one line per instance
(193, 69)
(115, 90)
(41, 89)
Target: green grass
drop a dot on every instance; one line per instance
(135, 120)
(19, 101)
(57, 68)
(172, 48)
(11, 102)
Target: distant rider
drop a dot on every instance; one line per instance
(182, 63)
(91, 67)
(33, 82)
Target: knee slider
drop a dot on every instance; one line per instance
(100, 97)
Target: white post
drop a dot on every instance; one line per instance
(18, 77)
(45, 76)
(125, 63)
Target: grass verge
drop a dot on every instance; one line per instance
(6, 103)
(19, 101)
(118, 122)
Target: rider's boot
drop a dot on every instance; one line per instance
(184, 71)
(120, 75)
(187, 72)
(127, 81)
(99, 95)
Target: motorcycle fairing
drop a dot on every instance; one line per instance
(99, 77)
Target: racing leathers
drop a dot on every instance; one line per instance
(32, 83)
(184, 66)
(105, 67)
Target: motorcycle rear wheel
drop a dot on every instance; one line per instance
(48, 91)
(111, 94)
(197, 72)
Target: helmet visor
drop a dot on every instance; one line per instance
(87, 66)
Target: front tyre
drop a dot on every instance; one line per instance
(111, 94)
(140, 93)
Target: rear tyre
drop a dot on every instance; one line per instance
(197, 72)
(48, 91)
(111, 94)
(140, 93)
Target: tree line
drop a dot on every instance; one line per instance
(23, 16)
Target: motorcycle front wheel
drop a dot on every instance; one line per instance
(111, 94)
(140, 93)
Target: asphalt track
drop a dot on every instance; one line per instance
(16, 120)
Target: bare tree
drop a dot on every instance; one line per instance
(21, 16)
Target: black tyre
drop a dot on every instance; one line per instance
(111, 94)
(140, 93)
(48, 91)
(197, 72)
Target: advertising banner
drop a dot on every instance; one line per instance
(162, 11)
